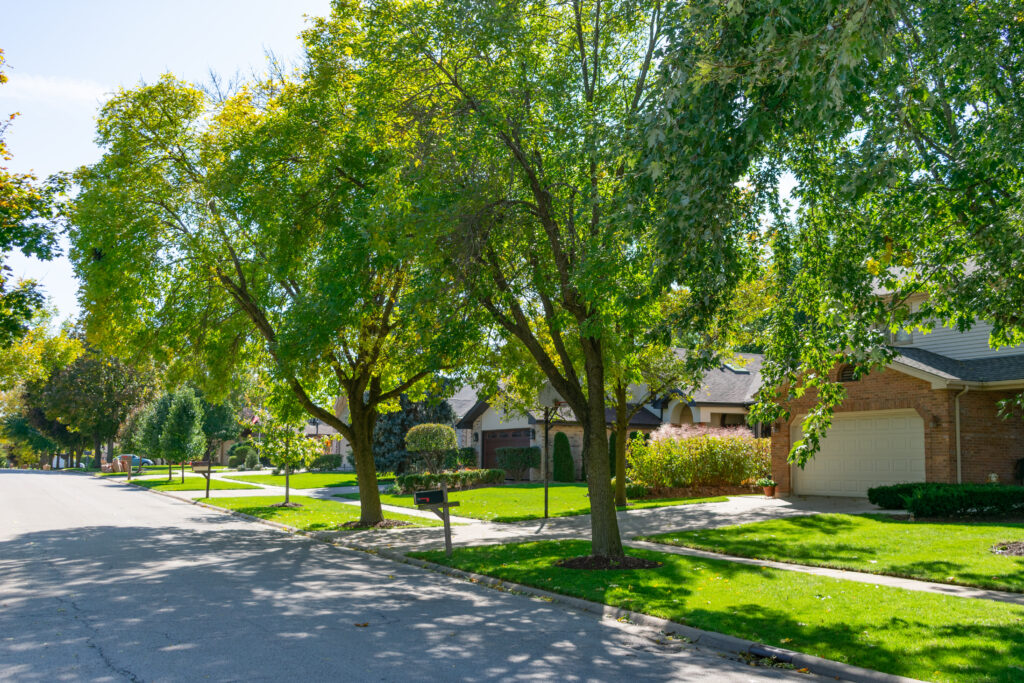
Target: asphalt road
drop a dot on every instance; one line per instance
(104, 582)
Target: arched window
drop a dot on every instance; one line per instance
(848, 373)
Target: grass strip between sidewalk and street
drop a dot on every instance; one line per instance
(521, 502)
(922, 635)
(309, 480)
(314, 515)
(947, 552)
(190, 484)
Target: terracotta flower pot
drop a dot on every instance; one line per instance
(769, 491)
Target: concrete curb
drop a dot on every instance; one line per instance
(708, 639)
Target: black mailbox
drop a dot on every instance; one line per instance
(429, 497)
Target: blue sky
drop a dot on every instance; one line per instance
(65, 57)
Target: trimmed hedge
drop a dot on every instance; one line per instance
(949, 500)
(635, 491)
(703, 460)
(893, 497)
(518, 460)
(562, 466)
(324, 463)
(464, 479)
(965, 500)
(459, 457)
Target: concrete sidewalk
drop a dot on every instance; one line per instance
(633, 523)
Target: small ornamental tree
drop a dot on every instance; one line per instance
(153, 420)
(283, 442)
(182, 438)
(563, 468)
(431, 441)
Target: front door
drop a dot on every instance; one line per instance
(502, 438)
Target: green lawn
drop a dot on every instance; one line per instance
(314, 515)
(191, 484)
(145, 470)
(311, 480)
(948, 552)
(921, 635)
(519, 502)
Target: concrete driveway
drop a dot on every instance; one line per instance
(100, 581)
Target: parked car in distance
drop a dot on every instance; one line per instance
(137, 461)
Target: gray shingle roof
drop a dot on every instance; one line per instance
(463, 400)
(994, 369)
(733, 384)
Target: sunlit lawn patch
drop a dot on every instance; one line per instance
(314, 515)
(310, 480)
(921, 635)
(947, 552)
(519, 502)
(190, 484)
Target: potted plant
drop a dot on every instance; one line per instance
(768, 484)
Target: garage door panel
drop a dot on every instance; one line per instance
(863, 450)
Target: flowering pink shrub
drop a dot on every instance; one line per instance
(692, 455)
(686, 431)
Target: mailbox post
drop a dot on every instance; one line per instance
(203, 467)
(438, 503)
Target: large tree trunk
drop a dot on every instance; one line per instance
(604, 525)
(621, 439)
(110, 450)
(363, 420)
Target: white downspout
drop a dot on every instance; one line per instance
(959, 461)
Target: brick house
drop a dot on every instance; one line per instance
(723, 399)
(930, 415)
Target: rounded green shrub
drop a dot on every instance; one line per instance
(431, 441)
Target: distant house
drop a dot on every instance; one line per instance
(724, 399)
(930, 415)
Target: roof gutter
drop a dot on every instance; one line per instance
(959, 454)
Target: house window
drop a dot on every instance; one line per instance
(902, 337)
(848, 373)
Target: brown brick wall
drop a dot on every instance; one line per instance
(884, 390)
(989, 444)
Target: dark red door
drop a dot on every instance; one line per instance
(502, 438)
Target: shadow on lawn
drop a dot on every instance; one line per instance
(916, 646)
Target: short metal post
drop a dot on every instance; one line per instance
(447, 520)
(208, 473)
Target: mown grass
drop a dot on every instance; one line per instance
(520, 502)
(190, 484)
(314, 515)
(921, 635)
(311, 480)
(946, 552)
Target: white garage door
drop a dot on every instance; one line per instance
(863, 450)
